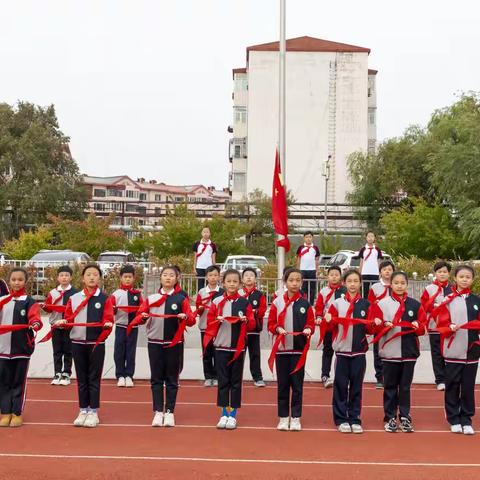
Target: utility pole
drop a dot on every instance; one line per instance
(326, 174)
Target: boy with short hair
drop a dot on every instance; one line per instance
(55, 304)
(308, 258)
(126, 302)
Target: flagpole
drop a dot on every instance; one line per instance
(281, 120)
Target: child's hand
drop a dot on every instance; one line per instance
(34, 327)
(415, 325)
(182, 315)
(389, 324)
(220, 318)
(307, 332)
(453, 327)
(281, 331)
(145, 315)
(318, 321)
(328, 317)
(60, 323)
(377, 322)
(244, 319)
(108, 325)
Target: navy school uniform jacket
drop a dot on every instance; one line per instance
(99, 309)
(125, 298)
(321, 305)
(54, 299)
(162, 330)
(258, 301)
(21, 310)
(404, 348)
(460, 347)
(356, 341)
(299, 316)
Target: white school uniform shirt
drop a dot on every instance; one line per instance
(205, 259)
(370, 265)
(307, 261)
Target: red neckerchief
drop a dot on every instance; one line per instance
(204, 247)
(386, 289)
(333, 289)
(306, 249)
(401, 309)
(369, 253)
(288, 301)
(60, 296)
(431, 300)
(247, 293)
(441, 312)
(206, 300)
(12, 295)
(88, 296)
(129, 288)
(351, 302)
(224, 300)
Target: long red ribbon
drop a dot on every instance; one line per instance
(138, 320)
(448, 332)
(102, 337)
(385, 330)
(12, 328)
(281, 340)
(128, 308)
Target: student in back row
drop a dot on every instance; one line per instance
(308, 258)
(55, 304)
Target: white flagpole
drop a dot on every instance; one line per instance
(281, 120)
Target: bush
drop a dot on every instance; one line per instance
(28, 243)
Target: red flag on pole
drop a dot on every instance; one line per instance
(279, 206)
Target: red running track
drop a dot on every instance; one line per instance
(125, 446)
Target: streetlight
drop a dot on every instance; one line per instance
(326, 174)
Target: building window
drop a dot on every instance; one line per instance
(112, 192)
(158, 211)
(115, 207)
(99, 207)
(99, 192)
(130, 207)
(143, 197)
(241, 83)
(158, 197)
(371, 117)
(131, 194)
(239, 182)
(240, 115)
(238, 151)
(142, 210)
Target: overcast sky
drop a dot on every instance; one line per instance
(143, 87)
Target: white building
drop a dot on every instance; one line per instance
(330, 108)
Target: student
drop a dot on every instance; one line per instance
(205, 253)
(89, 306)
(167, 314)
(347, 317)
(203, 302)
(461, 350)
(403, 320)
(369, 256)
(326, 297)
(258, 302)
(55, 304)
(126, 302)
(378, 291)
(432, 297)
(20, 316)
(229, 319)
(291, 319)
(308, 258)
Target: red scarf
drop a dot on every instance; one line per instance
(333, 289)
(204, 247)
(370, 250)
(288, 301)
(348, 316)
(247, 292)
(386, 289)
(441, 312)
(12, 295)
(431, 300)
(204, 302)
(138, 320)
(58, 308)
(129, 288)
(306, 249)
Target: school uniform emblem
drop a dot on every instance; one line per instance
(22, 313)
(475, 307)
(98, 305)
(135, 298)
(302, 310)
(240, 313)
(255, 303)
(174, 307)
(410, 313)
(362, 313)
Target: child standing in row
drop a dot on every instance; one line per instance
(258, 302)
(459, 314)
(403, 320)
(21, 315)
(327, 296)
(92, 309)
(126, 302)
(378, 291)
(308, 259)
(204, 299)
(291, 320)
(55, 304)
(347, 316)
(432, 297)
(167, 314)
(229, 319)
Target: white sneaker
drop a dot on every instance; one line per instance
(157, 419)
(283, 424)
(80, 420)
(259, 383)
(356, 428)
(231, 423)
(295, 425)
(208, 382)
(121, 382)
(92, 420)
(345, 428)
(168, 419)
(222, 422)
(328, 383)
(457, 428)
(65, 379)
(129, 382)
(214, 383)
(56, 379)
(441, 387)
(468, 430)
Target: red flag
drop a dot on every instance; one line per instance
(279, 206)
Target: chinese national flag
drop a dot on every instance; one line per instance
(279, 206)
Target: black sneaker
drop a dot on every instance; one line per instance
(379, 385)
(391, 426)
(406, 425)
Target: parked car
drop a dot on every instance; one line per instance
(346, 259)
(55, 258)
(240, 262)
(324, 260)
(110, 260)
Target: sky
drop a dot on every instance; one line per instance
(143, 87)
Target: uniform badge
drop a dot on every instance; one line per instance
(240, 313)
(475, 307)
(255, 302)
(135, 298)
(362, 313)
(410, 313)
(98, 305)
(342, 295)
(302, 310)
(22, 313)
(174, 307)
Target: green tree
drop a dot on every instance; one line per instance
(227, 234)
(38, 176)
(425, 231)
(29, 243)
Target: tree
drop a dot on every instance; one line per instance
(29, 243)
(38, 176)
(425, 231)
